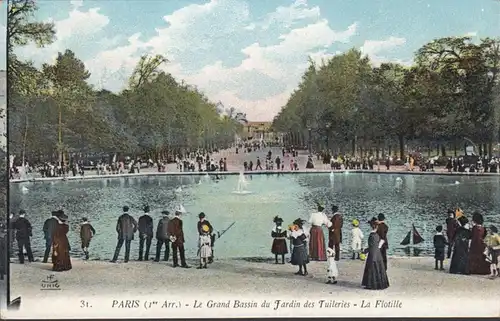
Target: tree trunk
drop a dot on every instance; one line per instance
(443, 150)
(490, 148)
(429, 148)
(455, 148)
(401, 140)
(24, 139)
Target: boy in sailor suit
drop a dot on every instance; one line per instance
(332, 272)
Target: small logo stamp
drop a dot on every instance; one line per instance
(50, 283)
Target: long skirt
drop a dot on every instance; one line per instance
(205, 251)
(317, 249)
(374, 275)
(299, 255)
(279, 247)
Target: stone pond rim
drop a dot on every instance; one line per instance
(288, 172)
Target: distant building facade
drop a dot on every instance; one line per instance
(256, 130)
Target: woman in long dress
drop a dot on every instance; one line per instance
(317, 248)
(61, 260)
(460, 256)
(477, 262)
(375, 275)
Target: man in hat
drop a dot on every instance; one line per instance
(162, 236)
(23, 234)
(382, 230)
(145, 233)
(48, 229)
(177, 238)
(317, 249)
(335, 232)
(126, 226)
(203, 221)
(451, 228)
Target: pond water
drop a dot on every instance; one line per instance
(404, 199)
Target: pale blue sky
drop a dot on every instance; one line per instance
(250, 54)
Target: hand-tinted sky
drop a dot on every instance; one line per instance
(249, 54)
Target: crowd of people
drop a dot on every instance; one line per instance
(472, 248)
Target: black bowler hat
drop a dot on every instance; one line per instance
(381, 217)
(165, 213)
(125, 208)
(21, 212)
(201, 215)
(146, 209)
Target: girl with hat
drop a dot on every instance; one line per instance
(375, 275)
(356, 240)
(493, 250)
(204, 246)
(279, 246)
(298, 238)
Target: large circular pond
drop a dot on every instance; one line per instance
(404, 199)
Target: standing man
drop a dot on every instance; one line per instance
(145, 233)
(48, 228)
(202, 222)
(177, 238)
(335, 233)
(451, 228)
(382, 233)
(23, 234)
(126, 226)
(162, 236)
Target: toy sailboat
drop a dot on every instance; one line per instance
(412, 238)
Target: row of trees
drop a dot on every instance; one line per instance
(54, 111)
(449, 96)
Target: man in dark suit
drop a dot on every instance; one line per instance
(23, 234)
(48, 228)
(162, 236)
(126, 228)
(177, 238)
(335, 232)
(202, 222)
(145, 233)
(451, 229)
(382, 233)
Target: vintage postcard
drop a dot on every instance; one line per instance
(241, 158)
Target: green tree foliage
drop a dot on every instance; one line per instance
(55, 113)
(448, 95)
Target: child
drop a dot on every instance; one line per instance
(204, 246)
(493, 247)
(357, 239)
(300, 256)
(87, 231)
(332, 271)
(279, 240)
(439, 245)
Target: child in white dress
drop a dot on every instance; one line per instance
(204, 246)
(332, 272)
(357, 239)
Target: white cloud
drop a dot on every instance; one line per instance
(78, 25)
(375, 50)
(471, 34)
(197, 31)
(288, 16)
